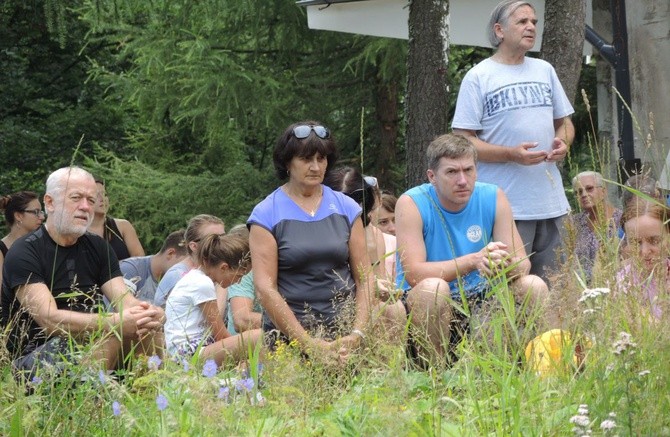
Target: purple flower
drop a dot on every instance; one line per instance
(36, 380)
(161, 402)
(154, 362)
(116, 408)
(246, 384)
(185, 365)
(224, 393)
(209, 369)
(102, 376)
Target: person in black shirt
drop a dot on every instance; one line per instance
(54, 281)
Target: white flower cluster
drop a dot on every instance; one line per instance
(608, 424)
(581, 421)
(623, 344)
(593, 293)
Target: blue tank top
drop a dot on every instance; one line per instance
(448, 235)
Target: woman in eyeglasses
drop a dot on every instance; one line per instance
(23, 214)
(597, 219)
(308, 252)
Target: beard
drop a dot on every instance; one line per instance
(66, 225)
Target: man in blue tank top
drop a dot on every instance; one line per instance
(456, 238)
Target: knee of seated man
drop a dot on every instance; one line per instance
(532, 286)
(428, 288)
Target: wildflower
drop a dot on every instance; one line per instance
(607, 425)
(260, 399)
(116, 408)
(102, 376)
(580, 420)
(224, 393)
(593, 293)
(209, 369)
(246, 384)
(154, 362)
(36, 380)
(644, 373)
(161, 402)
(624, 343)
(185, 365)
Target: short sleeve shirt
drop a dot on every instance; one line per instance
(313, 277)
(507, 105)
(185, 321)
(138, 270)
(74, 275)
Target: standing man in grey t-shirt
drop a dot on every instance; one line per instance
(515, 111)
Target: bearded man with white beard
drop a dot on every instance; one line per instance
(53, 285)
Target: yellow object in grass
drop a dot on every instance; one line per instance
(545, 353)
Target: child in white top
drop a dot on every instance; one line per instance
(194, 321)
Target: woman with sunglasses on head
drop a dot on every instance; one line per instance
(363, 190)
(309, 253)
(598, 219)
(23, 214)
(197, 229)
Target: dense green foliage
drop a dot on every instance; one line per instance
(198, 91)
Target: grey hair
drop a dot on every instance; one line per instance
(57, 181)
(597, 177)
(500, 15)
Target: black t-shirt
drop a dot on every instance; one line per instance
(74, 274)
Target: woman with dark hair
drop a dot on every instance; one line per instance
(308, 251)
(119, 233)
(351, 182)
(23, 214)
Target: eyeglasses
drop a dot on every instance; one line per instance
(587, 189)
(36, 212)
(304, 130)
(370, 180)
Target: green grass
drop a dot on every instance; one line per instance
(489, 390)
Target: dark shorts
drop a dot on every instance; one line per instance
(54, 356)
(460, 322)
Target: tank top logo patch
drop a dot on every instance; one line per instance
(474, 233)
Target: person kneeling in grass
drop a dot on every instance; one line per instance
(454, 235)
(53, 287)
(194, 323)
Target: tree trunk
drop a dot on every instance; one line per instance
(387, 117)
(563, 40)
(427, 87)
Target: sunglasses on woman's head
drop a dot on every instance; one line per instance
(304, 130)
